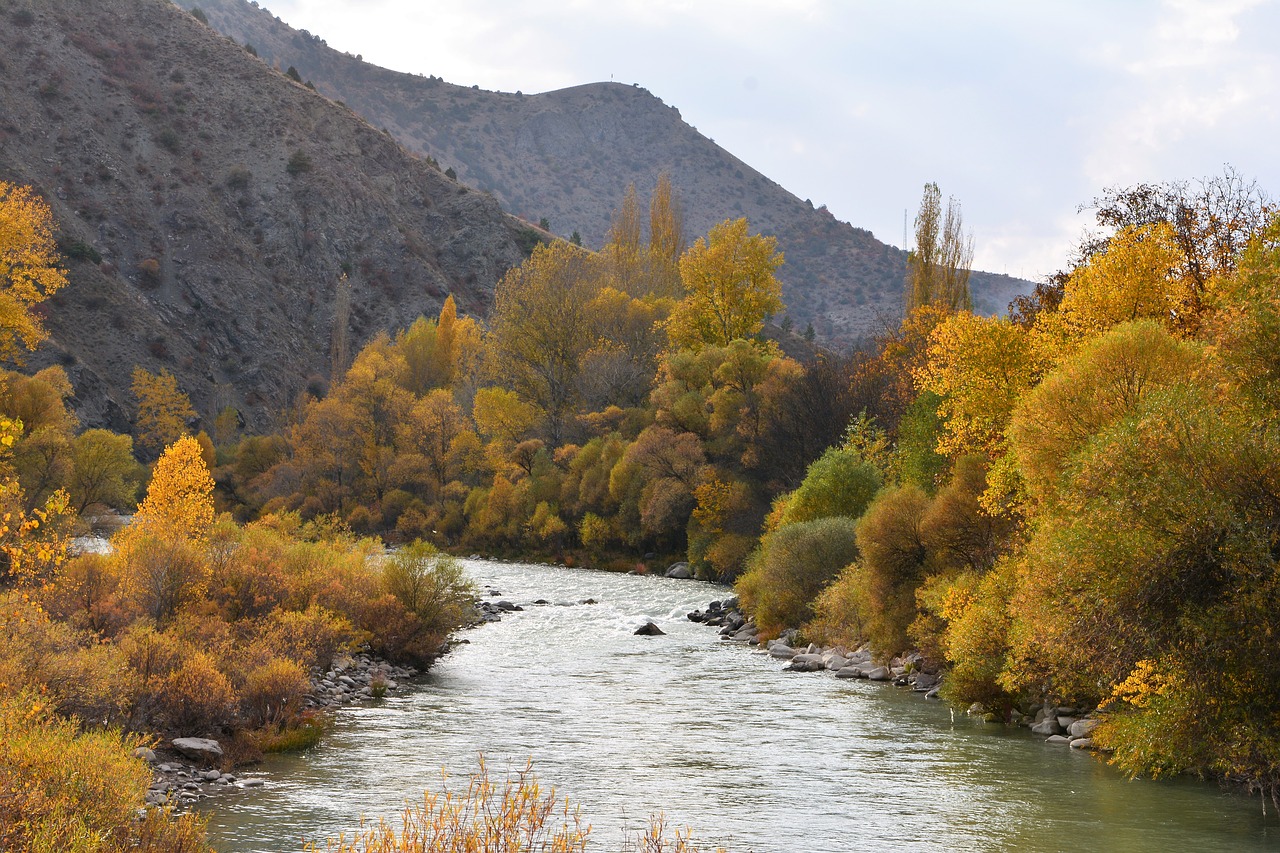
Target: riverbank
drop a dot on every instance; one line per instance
(187, 770)
(1059, 725)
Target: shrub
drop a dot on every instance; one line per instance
(78, 792)
(840, 482)
(195, 699)
(792, 567)
(431, 585)
(299, 162)
(273, 693)
(893, 565)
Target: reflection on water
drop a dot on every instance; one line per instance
(719, 738)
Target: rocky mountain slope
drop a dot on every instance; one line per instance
(211, 207)
(569, 155)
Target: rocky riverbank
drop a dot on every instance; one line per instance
(187, 770)
(1060, 725)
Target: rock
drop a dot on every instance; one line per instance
(807, 663)
(934, 693)
(346, 680)
(1065, 722)
(199, 748)
(925, 680)
(145, 754)
(1058, 740)
(1047, 727)
(1082, 743)
(649, 629)
(849, 672)
(781, 651)
(252, 783)
(508, 607)
(1082, 728)
(680, 571)
(835, 663)
(211, 775)
(879, 673)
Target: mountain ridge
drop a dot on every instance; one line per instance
(569, 154)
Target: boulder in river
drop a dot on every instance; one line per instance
(199, 748)
(649, 629)
(680, 571)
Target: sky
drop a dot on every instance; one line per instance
(1021, 111)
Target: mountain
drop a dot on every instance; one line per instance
(210, 208)
(569, 155)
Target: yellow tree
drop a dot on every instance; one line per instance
(1136, 277)
(980, 367)
(29, 271)
(179, 500)
(162, 564)
(163, 409)
(731, 287)
(541, 331)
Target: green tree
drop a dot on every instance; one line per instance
(103, 470)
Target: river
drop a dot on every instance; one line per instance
(719, 738)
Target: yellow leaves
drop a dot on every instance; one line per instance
(1135, 278)
(179, 501)
(731, 288)
(980, 367)
(29, 271)
(163, 409)
(1146, 682)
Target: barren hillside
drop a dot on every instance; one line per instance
(210, 206)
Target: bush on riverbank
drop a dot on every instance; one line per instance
(77, 791)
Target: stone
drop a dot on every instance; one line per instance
(649, 629)
(781, 651)
(508, 607)
(1058, 740)
(346, 680)
(1047, 727)
(145, 754)
(806, 663)
(1065, 721)
(680, 571)
(252, 783)
(879, 673)
(1082, 728)
(211, 775)
(199, 748)
(849, 672)
(1082, 743)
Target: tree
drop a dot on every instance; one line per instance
(666, 238)
(102, 469)
(540, 331)
(29, 270)
(979, 368)
(179, 501)
(1212, 220)
(938, 268)
(163, 409)
(731, 287)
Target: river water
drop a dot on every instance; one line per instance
(716, 736)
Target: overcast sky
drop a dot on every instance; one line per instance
(1020, 110)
